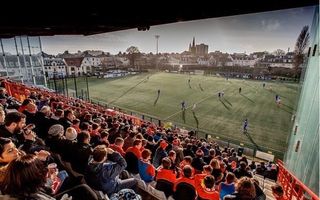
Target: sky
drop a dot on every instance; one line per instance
(265, 31)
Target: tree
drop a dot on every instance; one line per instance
(133, 53)
(279, 52)
(301, 44)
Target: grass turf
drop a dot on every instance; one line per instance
(269, 125)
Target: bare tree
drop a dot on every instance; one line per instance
(279, 52)
(133, 53)
(301, 44)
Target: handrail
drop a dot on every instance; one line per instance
(290, 183)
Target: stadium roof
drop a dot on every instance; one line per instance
(92, 17)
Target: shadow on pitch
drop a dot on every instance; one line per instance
(228, 102)
(247, 98)
(287, 106)
(201, 87)
(252, 141)
(184, 115)
(156, 101)
(224, 104)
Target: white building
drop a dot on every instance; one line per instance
(242, 60)
(74, 66)
(90, 62)
(54, 67)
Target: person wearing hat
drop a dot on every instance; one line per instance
(56, 140)
(160, 153)
(71, 134)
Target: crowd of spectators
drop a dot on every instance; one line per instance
(53, 148)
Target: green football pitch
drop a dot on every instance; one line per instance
(268, 124)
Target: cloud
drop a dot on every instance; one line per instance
(270, 25)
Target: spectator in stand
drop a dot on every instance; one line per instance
(178, 149)
(245, 190)
(68, 118)
(55, 118)
(136, 148)
(56, 140)
(172, 156)
(160, 153)
(30, 112)
(253, 165)
(227, 187)
(25, 176)
(81, 152)
(2, 116)
(128, 141)
(146, 169)
(42, 122)
(188, 151)
(117, 146)
(164, 171)
(8, 153)
(277, 192)
(187, 160)
(272, 173)
(26, 179)
(209, 157)
(233, 157)
(216, 171)
(261, 169)
(242, 171)
(24, 104)
(71, 134)
(13, 124)
(103, 171)
(207, 170)
(244, 159)
(104, 138)
(151, 144)
(205, 187)
(259, 192)
(187, 177)
(95, 134)
(31, 143)
(197, 162)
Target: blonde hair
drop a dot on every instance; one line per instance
(215, 164)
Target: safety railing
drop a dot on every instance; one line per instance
(292, 186)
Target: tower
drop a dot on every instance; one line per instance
(157, 38)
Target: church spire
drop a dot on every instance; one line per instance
(193, 42)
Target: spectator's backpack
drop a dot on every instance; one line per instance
(126, 194)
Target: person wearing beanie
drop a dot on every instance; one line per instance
(56, 130)
(71, 134)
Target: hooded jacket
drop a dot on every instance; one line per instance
(105, 176)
